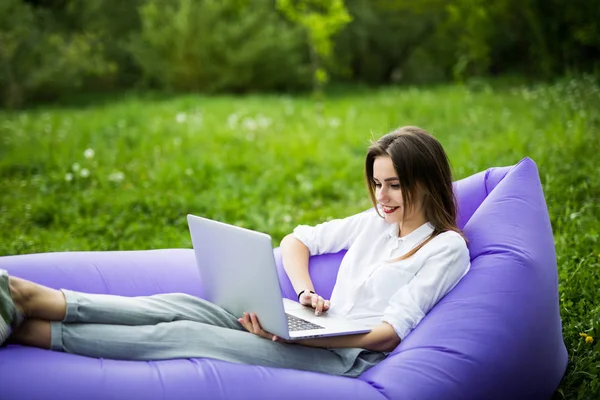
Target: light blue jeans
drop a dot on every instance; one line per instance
(169, 326)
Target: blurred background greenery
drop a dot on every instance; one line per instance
(49, 48)
(120, 117)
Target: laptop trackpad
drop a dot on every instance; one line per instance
(308, 313)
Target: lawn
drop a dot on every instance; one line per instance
(123, 173)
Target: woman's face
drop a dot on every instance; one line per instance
(387, 190)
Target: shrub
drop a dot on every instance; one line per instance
(39, 61)
(229, 45)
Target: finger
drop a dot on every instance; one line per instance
(258, 329)
(279, 339)
(252, 323)
(255, 324)
(319, 308)
(314, 300)
(326, 305)
(244, 321)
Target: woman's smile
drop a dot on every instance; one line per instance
(388, 209)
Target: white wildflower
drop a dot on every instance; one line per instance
(89, 154)
(306, 186)
(116, 177)
(249, 124)
(263, 121)
(180, 117)
(84, 173)
(189, 172)
(68, 177)
(287, 218)
(76, 167)
(334, 122)
(232, 121)
(197, 119)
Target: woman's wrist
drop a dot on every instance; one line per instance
(303, 291)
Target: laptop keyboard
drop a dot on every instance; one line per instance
(298, 324)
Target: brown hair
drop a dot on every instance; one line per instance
(420, 162)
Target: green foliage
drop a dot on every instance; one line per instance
(55, 48)
(39, 60)
(271, 162)
(435, 40)
(112, 22)
(390, 42)
(321, 20)
(473, 19)
(535, 37)
(212, 46)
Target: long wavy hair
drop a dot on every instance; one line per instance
(421, 163)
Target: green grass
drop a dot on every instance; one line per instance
(272, 162)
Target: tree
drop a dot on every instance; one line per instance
(321, 20)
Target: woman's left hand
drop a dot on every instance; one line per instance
(250, 322)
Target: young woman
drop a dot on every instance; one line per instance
(403, 257)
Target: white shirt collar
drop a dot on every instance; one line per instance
(413, 238)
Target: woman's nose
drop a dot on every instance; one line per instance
(382, 196)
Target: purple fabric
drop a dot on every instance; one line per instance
(497, 335)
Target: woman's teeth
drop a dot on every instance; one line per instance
(389, 210)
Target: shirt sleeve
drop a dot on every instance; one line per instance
(447, 263)
(331, 236)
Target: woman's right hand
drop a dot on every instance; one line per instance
(315, 301)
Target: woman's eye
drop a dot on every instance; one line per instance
(395, 186)
(377, 185)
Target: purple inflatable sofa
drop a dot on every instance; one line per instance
(497, 335)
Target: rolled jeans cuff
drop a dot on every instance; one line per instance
(72, 305)
(56, 339)
(56, 327)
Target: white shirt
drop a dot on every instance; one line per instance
(372, 286)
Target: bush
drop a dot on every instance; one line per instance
(39, 61)
(213, 46)
(390, 42)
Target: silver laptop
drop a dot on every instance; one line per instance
(238, 273)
